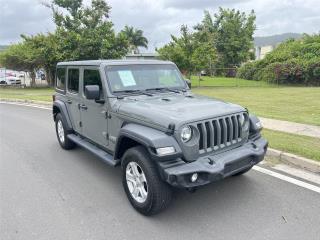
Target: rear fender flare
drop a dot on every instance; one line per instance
(62, 109)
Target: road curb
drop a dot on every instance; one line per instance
(297, 161)
(24, 101)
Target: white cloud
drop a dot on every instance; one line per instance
(202, 4)
(158, 19)
(23, 17)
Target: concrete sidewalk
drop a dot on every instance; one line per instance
(291, 127)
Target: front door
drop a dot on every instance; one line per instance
(94, 115)
(73, 97)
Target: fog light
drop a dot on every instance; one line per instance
(165, 151)
(194, 177)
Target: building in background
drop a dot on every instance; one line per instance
(264, 45)
(261, 51)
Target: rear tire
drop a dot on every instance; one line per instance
(242, 172)
(147, 193)
(62, 133)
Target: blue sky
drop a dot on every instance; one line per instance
(158, 19)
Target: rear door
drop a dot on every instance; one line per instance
(93, 115)
(73, 97)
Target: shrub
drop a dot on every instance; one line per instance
(312, 72)
(289, 72)
(247, 71)
(292, 62)
(267, 73)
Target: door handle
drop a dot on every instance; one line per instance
(82, 106)
(69, 101)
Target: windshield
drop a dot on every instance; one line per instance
(144, 77)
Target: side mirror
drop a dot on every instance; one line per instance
(188, 82)
(92, 92)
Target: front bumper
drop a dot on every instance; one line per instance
(212, 168)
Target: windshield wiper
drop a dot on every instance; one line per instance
(133, 91)
(163, 88)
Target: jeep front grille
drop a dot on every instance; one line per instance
(220, 133)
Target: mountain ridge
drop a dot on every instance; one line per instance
(274, 39)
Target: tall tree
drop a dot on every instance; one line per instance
(82, 32)
(85, 32)
(135, 38)
(206, 27)
(48, 51)
(22, 57)
(205, 55)
(233, 36)
(33, 53)
(180, 50)
(222, 41)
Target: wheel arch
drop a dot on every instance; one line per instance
(131, 135)
(60, 107)
(124, 143)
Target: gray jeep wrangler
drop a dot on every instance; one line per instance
(142, 115)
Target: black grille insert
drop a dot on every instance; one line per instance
(221, 132)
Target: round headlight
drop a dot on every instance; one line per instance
(186, 134)
(244, 122)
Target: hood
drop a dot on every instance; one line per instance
(164, 109)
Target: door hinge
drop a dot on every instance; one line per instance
(107, 115)
(106, 135)
(113, 139)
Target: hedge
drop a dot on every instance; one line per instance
(292, 62)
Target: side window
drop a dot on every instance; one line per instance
(61, 78)
(92, 77)
(73, 80)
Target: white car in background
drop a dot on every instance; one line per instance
(10, 80)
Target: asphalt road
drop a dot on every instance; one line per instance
(50, 193)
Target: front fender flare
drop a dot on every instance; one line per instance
(150, 138)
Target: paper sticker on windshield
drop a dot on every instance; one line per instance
(127, 78)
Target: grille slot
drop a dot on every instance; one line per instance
(206, 124)
(221, 132)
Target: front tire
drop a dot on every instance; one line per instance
(62, 133)
(147, 193)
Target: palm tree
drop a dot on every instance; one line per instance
(135, 38)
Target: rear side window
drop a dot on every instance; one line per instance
(92, 77)
(61, 78)
(73, 80)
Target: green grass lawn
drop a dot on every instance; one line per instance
(207, 81)
(296, 104)
(34, 94)
(304, 146)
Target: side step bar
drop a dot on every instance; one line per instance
(106, 157)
